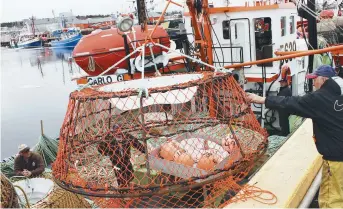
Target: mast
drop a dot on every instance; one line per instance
(141, 12)
(196, 7)
(312, 37)
(33, 26)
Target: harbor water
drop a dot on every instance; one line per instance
(35, 85)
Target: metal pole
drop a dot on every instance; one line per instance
(143, 61)
(145, 141)
(263, 94)
(300, 54)
(312, 38)
(127, 52)
(311, 192)
(41, 127)
(141, 13)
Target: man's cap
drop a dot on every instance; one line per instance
(23, 147)
(324, 70)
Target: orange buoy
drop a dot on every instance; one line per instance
(168, 150)
(208, 161)
(182, 157)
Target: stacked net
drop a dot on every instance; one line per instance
(9, 198)
(60, 198)
(185, 140)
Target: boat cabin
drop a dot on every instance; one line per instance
(244, 31)
(253, 30)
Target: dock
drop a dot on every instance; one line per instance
(289, 173)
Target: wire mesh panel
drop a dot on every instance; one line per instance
(184, 140)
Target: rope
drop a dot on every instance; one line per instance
(91, 64)
(255, 193)
(25, 196)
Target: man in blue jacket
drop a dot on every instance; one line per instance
(325, 108)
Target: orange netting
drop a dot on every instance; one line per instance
(185, 140)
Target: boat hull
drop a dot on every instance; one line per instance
(106, 47)
(30, 44)
(71, 42)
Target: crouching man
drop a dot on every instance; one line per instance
(28, 163)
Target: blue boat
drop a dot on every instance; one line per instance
(29, 42)
(68, 38)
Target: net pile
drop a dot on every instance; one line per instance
(56, 198)
(184, 140)
(9, 198)
(60, 198)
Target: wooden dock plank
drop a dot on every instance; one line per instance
(289, 173)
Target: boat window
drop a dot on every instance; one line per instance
(291, 25)
(263, 39)
(283, 26)
(226, 29)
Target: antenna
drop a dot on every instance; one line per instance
(33, 26)
(53, 14)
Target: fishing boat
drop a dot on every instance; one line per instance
(236, 47)
(68, 38)
(253, 39)
(29, 41)
(218, 39)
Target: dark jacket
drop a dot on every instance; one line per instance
(325, 108)
(284, 114)
(34, 164)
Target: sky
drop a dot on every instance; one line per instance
(17, 10)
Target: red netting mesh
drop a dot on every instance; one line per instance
(184, 140)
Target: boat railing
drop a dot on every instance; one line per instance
(231, 59)
(178, 38)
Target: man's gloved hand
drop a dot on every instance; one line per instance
(253, 98)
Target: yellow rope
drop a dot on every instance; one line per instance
(27, 200)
